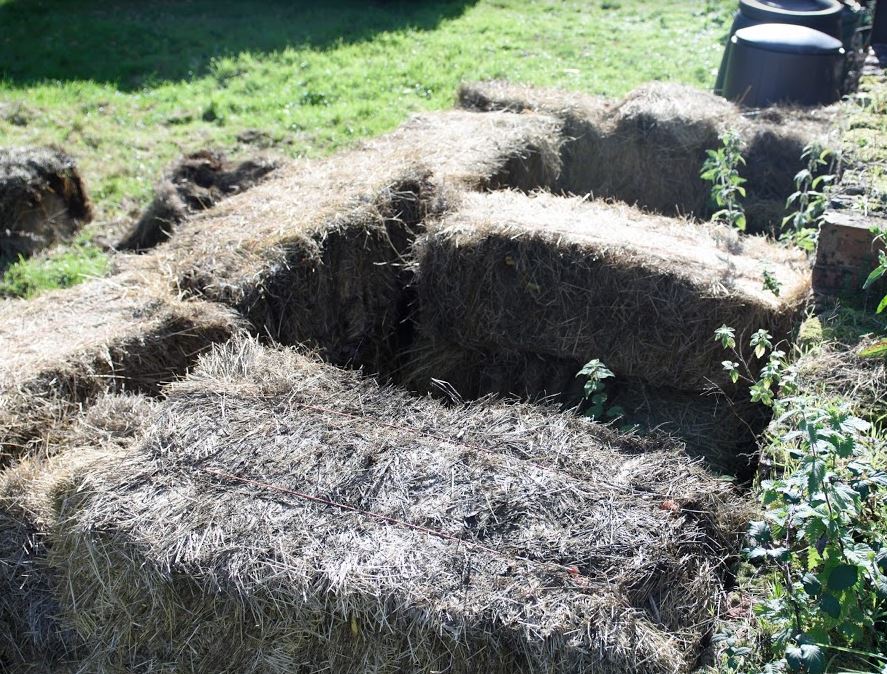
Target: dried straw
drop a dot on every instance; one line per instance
(42, 200)
(32, 636)
(63, 348)
(196, 182)
(315, 254)
(578, 280)
(649, 147)
(283, 515)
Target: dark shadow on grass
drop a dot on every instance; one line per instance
(137, 43)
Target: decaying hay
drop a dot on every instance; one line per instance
(491, 537)
(197, 182)
(649, 147)
(64, 348)
(578, 280)
(42, 200)
(315, 253)
(719, 429)
(32, 635)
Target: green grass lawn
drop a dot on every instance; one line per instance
(127, 86)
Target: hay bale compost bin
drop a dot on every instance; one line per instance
(316, 253)
(64, 348)
(197, 182)
(33, 637)
(43, 200)
(283, 515)
(516, 278)
(648, 148)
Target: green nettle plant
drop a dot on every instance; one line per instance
(721, 169)
(879, 271)
(595, 394)
(809, 199)
(822, 542)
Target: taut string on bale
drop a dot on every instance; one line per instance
(282, 514)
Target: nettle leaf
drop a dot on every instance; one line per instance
(805, 658)
(760, 531)
(830, 605)
(812, 584)
(841, 577)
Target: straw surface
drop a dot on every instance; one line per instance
(580, 280)
(283, 515)
(63, 348)
(316, 253)
(42, 200)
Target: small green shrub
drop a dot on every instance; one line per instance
(821, 545)
(809, 199)
(721, 169)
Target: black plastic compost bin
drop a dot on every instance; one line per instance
(781, 63)
(821, 15)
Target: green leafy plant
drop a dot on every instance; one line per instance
(821, 544)
(721, 169)
(879, 271)
(595, 394)
(771, 283)
(809, 199)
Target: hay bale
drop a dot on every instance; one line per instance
(197, 182)
(122, 333)
(33, 637)
(42, 200)
(585, 122)
(648, 148)
(578, 280)
(316, 253)
(486, 538)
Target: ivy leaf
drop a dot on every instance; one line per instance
(842, 577)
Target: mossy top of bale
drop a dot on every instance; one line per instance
(575, 279)
(501, 536)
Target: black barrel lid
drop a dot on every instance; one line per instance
(788, 39)
(766, 8)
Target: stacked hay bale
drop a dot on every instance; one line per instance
(283, 515)
(649, 147)
(67, 347)
(32, 635)
(42, 200)
(197, 182)
(510, 276)
(316, 253)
